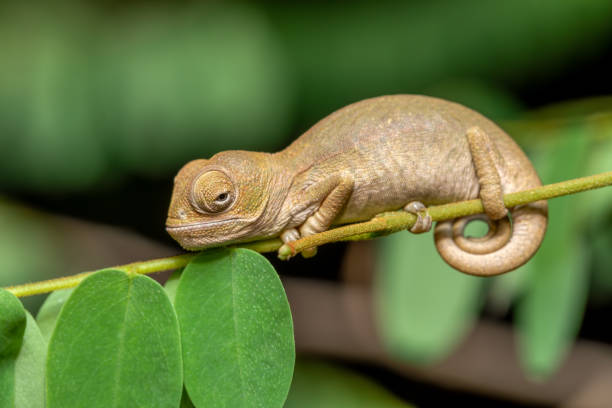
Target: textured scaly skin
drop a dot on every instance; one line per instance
(387, 152)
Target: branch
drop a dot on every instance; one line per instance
(390, 222)
(382, 224)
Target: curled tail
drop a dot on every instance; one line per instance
(504, 248)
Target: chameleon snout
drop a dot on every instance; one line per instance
(185, 236)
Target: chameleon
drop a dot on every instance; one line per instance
(381, 154)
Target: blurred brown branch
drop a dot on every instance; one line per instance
(337, 320)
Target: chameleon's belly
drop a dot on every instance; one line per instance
(388, 179)
(400, 149)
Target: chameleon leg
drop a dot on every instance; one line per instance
(459, 250)
(423, 222)
(486, 159)
(485, 156)
(329, 209)
(505, 247)
(289, 235)
(335, 191)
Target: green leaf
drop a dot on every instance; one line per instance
(600, 243)
(22, 356)
(236, 330)
(186, 401)
(424, 307)
(506, 288)
(12, 324)
(570, 110)
(30, 368)
(596, 212)
(12, 328)
(26, 232)
(116, 344)
(49, 311)
(595, 205)
(550, 314)
(172, 284)
(323, 385)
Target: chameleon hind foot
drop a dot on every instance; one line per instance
(423, 222)
(289, 235)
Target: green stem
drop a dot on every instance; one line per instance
(382, 224)
(387, 223)
(150, 266)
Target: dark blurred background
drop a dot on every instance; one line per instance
(101, 102)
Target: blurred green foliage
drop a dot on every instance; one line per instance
(25, 232)
(549, 315)
(324, 385)
(345, 53)
(86, 98)
(425, 309)
(423, 304)
(91, 93)
(96, 93)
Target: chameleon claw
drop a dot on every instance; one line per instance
(287, 251)
(309, 252)
(290, 235)
(423, 222)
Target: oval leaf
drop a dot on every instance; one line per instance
(595, 205)
(30, 368)
(424, 307)
(172, 284)
(549, 316)
(12, 324)
(49, 311)
(506, 288)
(12, 328)
(116, 344)
(323, 385)
(236, 330)
(596, 209)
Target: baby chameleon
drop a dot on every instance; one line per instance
(376, 155)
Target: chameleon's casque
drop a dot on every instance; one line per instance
(375, 155)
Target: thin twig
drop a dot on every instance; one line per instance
(390, 222)
(382, 224)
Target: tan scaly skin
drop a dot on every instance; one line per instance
(380, 154)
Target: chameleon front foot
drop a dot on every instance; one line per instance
(423, 222)
(287, 251)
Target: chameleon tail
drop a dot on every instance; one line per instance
(503, 249)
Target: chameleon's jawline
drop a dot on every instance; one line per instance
(197, 226)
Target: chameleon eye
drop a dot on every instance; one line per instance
(213, 192)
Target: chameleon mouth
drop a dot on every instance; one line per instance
(200, 235)
(196, 226)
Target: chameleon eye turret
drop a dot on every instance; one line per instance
(212, 192)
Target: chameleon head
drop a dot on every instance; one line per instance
(219, 200)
